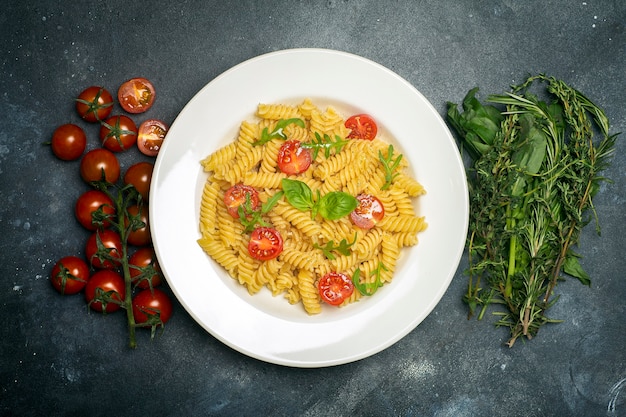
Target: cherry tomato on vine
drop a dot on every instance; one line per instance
(237, 195)
(265, 243)
(141, 236)
(151, 136)
(362, 126)
(105, 290)
(97, 161)
(118, 133)
(136, 95)
(139, 175)
(94, 104)
(144, 268)
(94, 201)
(369, 211)
(104, 249)
(152, 307)
(69, 275)
(292, 158)
(335, 288)
(68, 142)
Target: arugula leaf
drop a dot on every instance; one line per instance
(278, 133)
(368, 288)
(329, 248)
(390, 166)
(325, 143)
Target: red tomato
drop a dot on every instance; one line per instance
(136, 95)
(141, 236)
(105, 290)
(151, 136)
(69, 275)
(335, 288)
(104, 249)
(140, 176)
(236, 195)
(292, 158)
(68, 142)
(144, 268)
(94, 104)
(118, 133)
(362, 126)
(152, 308)
(88, 203)
(369, 211)
(97, 162)
(265, 243)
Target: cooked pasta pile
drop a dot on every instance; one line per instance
(355, 168)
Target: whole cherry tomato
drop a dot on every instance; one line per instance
(105, 291)
(90, 202)
(140, 236)
(140, 176)
(94, 104)
(144, 268)
(68, 142)
(118, 133)
(104, 249)
(69, 275)
(99, 164)
(152, 307)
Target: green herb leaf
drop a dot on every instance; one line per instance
(298, 194)
(343, 248)
(390, 166)
(278, 133)
(336, 205)
(368, 289)
(325, 143)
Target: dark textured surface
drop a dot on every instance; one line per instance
(56, 359)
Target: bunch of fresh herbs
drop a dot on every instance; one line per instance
(537, 153)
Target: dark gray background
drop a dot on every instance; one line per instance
(56, 359)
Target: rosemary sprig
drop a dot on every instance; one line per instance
(535, 168)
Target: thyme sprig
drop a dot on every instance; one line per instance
(535, 167)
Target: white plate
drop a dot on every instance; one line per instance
(269, 328)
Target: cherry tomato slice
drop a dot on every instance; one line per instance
(99, 161)
(68, 142)
(237, 195)
(369, 211)
(69, 275)
(118, 133)
(335, 288)
(94, 201)
(362, 126)
(265, 243)
(104, 291)
(136, 95)
(152, 308)
(292, 158)
(151, 136)
(94, 104)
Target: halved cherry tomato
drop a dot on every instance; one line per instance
(89, 202)
(369, 211)
(136, 95)
(141, 236)
(68, 142)
(69, 275)
(292, 158)
(335, 288)
(118, 133)
(362, 126)
(237, 195)
(94, 104)
(144, 268)
(140, 176)
(108, 254)
(151, 135)
(105, 290)
(265, 243)
(99, 162)
(152, 307)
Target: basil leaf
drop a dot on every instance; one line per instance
(337, 204)
(298, 194)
